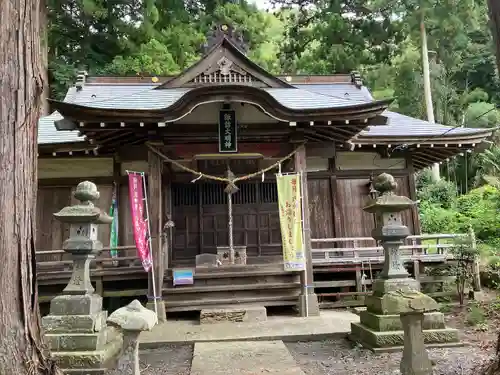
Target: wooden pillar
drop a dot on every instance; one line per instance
(155, 216)
(311, 299)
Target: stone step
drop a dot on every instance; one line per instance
(243, 358)
(241, 313)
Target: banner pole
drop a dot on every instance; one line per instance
(153, 277)
(303, 242)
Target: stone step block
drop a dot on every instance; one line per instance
(244, 313)
(66, 304)
(382, 323)
(97, 359)
(74, 323)
(67, 342)
(243, 358)
(395, 339)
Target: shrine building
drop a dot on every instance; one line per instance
(225, 114)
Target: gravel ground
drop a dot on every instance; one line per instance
(340, 357)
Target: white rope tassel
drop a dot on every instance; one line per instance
(279, 169)
(263, 176)
(197, 178)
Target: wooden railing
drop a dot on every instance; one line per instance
(60, 260)
(425, 247)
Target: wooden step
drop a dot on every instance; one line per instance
(227, 288)
(195, 305)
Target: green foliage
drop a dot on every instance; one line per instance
(481, 207)
(436, 219)
(482, 115)
(442, 193)
(476, 316)
(152, 58)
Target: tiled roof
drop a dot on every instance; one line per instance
(48, 134)
(142, 96)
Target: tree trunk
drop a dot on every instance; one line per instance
(21, 83)
(494, 6)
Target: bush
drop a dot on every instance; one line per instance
(442, 192)
(481, 206)
(436, 219)
(476, 316)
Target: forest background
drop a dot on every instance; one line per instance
(379, 38)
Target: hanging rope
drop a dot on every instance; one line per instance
(231, 180)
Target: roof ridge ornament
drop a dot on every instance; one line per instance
(81, 77)
(224, 31)
(356, 79)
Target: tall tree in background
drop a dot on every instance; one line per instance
(21, 85)
(494, 6)
(337, 36)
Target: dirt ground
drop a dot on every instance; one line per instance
(478, 326)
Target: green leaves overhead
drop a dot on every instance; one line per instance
(337, 36)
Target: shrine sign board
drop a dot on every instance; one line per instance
(228, 137)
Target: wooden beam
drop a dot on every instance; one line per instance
(300, 167)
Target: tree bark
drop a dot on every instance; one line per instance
(21, 85)
(494, 6)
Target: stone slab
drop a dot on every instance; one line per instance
(372, 339)
(67, 342)
(243, 358)
(74, 323)
(86, 371)
(381, 323)
(236, 314)
(89, 304)
(330, 324)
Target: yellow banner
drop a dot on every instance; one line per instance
(289, 201)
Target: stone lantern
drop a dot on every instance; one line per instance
(82, 243)
(75, 329)
(380, 325)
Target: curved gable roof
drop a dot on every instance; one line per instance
(224, 64)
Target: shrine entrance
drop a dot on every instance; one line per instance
(200, 213)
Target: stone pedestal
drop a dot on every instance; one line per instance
(415, 359)
(380, 325)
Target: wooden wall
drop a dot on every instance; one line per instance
(51, 233)
(338, 193)
(58, 179)
(337, 187)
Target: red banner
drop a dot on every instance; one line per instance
(136, 196)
